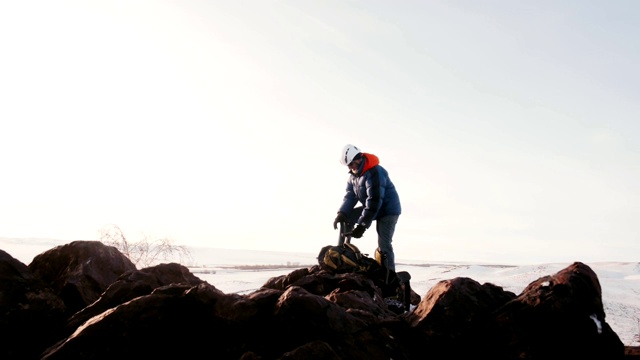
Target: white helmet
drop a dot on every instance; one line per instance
(348, 153)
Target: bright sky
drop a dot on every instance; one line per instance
(510, 129)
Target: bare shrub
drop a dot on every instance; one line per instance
(147, 251)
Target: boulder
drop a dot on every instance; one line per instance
(32, 315)
(557, 316)
(80, 271)
(85, 300)
(131, 285)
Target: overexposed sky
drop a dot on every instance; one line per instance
(511, 130)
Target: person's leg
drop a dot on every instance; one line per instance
(385, 227)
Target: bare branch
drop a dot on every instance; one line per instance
(145, 252)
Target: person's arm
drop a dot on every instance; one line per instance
(349, 200)
(375, 183)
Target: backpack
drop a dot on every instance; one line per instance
(347, 258)
(343, 259)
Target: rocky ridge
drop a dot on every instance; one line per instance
(86, 300)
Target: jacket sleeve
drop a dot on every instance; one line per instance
(375, 184)
(349, 200)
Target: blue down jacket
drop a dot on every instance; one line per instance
(373, 188)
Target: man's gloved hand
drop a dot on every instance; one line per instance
(358, 231)
(342, 217)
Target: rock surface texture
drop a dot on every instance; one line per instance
(86, 300)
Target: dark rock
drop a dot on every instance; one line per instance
(131, 285)
(312, 350)
(32, 315)
(164, 311)
(453, 314)
(632, 352)
(558, 316)
(80, 271)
